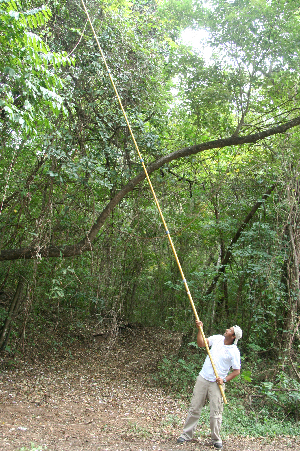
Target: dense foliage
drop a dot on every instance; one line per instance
(81, 239)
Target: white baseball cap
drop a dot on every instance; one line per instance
(238, 334)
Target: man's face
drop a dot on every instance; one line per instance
(229, 333)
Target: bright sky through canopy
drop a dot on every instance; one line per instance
(198, 40)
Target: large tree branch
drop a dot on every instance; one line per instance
(85, 243)
(228, 254)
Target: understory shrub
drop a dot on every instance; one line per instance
(178, 375)
(259, 407)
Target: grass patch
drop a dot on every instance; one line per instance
(138, 431)
(237, 421)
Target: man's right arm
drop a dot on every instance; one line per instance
(200, 341)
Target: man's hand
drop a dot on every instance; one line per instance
(200, 341)
(230, 376)
(198, 324)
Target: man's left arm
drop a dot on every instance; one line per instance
(232, 375)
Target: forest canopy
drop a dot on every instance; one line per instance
(80, 234)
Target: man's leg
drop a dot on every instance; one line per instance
(197, 402)
(216, 411)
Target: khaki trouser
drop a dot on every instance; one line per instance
(202, 390)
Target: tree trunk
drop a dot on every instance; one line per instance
(293, 283)
(13, 310)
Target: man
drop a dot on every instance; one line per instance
(225, 355)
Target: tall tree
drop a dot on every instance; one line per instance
(212, 144)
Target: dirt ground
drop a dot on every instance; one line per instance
(99, 397)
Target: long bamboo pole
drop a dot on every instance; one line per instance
(155, 199)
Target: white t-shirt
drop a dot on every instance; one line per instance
(224, 358)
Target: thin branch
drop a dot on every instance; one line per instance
(79, 40)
